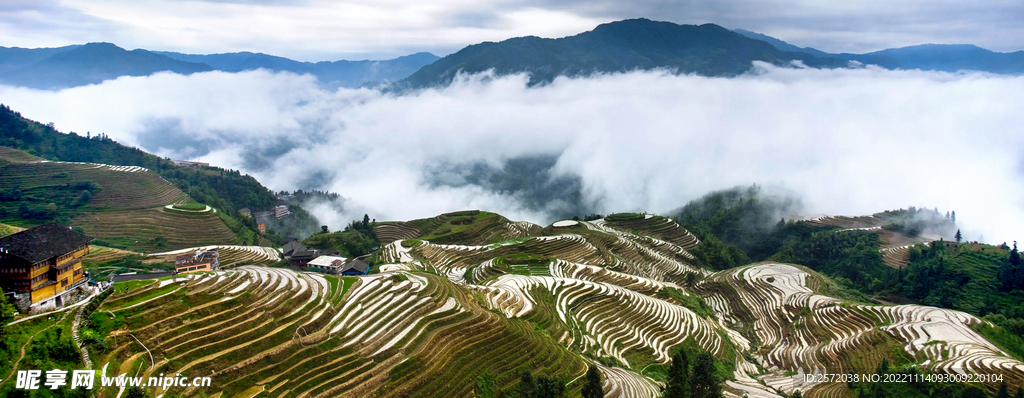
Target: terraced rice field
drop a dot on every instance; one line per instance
(121, 188)
(896, 256)
(101, 254)
(797, 329)
(895, 252)
(127, 210)
(297, 335)
(553, 300)
(469, 227)
(228, 256)
(9, 229)
(137, 229)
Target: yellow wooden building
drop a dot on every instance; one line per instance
(43, 264)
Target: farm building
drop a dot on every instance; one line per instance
(355, 266)
(281, 211)
(303, 257)
(291, 247)
(43, 265)
(245, 212)
(197, 261)
(339, 265)
(328, 264)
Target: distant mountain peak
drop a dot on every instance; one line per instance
(93, 63)
(935, 57)
(619, 46)
(100, 44)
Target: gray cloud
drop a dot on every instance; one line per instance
(850, 141)
(309, 30)
(48, 23)
(835, 27)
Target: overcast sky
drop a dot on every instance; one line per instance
(314, 30)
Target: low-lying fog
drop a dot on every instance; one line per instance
(851, 142)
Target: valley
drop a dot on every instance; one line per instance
(620, 293)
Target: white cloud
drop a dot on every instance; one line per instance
(314, 30)
(849, 141)
(302, 30)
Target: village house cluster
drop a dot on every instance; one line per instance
(327, 260)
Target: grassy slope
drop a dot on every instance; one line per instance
(471, 227)
(226, 190)
(126, 211)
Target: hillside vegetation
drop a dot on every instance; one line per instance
(499, 301)
(119, 206)
(228, 191)
(90, 64)
(621, 46)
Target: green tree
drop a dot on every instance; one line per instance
(1020, 393)
(678, 385)
(550, 387)
(958, 236)
(527, 385)
(592, 388)
(6, 316)
(883, 367)
(797, 394)
(484, 387)
(136, 392)
(973, 392)
(705, 382)
(1003, 391)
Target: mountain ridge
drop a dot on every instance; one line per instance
(930, 56)
(619, 46)
(93, 63)
(341, 73)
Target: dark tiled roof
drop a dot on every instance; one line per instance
(304, 255)
(43, 242)
(355, 265)
(292, 247)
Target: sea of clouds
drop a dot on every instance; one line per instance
(847, 141)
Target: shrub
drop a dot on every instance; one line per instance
(190, 206)
(624, 216)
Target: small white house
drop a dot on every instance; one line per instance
(329, 264)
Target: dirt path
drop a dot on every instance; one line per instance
(22, 356)
(78, 340)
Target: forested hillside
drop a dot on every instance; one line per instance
(621, 46)
(226, 190)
